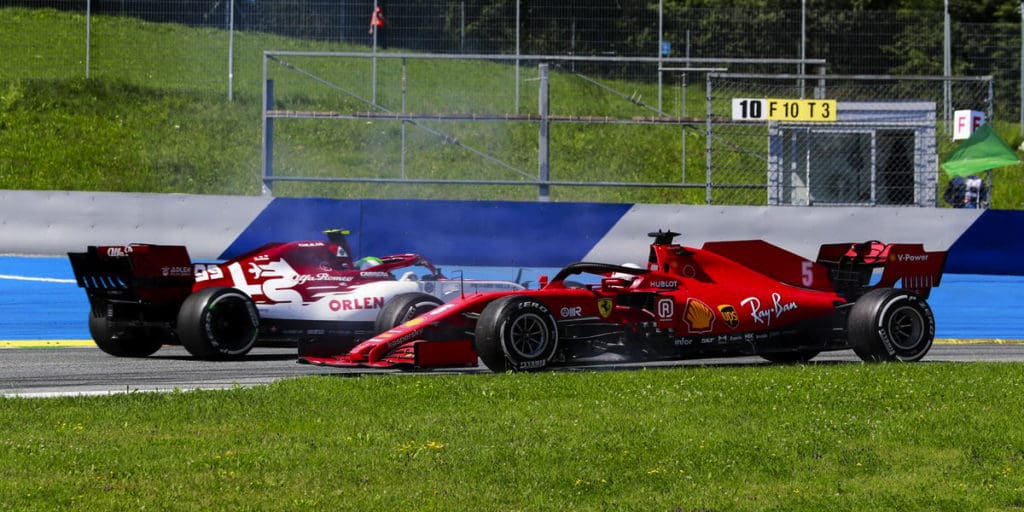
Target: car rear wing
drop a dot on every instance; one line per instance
(134, 273)
(906, 266)
(846, 268)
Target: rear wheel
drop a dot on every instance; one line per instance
(891, 325)
(402, 308)
(516, 333)
(218, 323)
(123, 343)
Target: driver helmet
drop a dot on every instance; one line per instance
(340, 260)
(367, 262)
(623, 275)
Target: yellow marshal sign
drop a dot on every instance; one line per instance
(803, 111)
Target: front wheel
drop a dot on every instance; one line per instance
(402, 308)
(516, 333)
(218, 323)
(891, 325)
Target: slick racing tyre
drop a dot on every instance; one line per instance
(126, 343)
(891, 325)
(516, 333)
(402, 308)
(218, 323)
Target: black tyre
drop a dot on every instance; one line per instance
(402, 308)
(125, 343)
(891, 325)
(516, 333)
(795, 357)
(218, 323)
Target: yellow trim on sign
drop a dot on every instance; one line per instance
(45, 343)
(800, 110)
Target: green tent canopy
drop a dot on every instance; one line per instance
(984, 150)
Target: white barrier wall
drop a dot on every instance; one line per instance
(53, 223)
(488, 233)
(798, 229)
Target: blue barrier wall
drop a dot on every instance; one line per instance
(480, 233)
(489, 233)
(496, 233)
(994, 244)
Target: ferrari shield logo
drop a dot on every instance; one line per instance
(604, 306)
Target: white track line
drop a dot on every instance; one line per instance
(38, 279)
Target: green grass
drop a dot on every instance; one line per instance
(937, 436)
(157, 119)
(73, 135)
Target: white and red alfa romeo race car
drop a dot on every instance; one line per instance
(312, 294)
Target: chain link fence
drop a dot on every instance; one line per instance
(714, 160)
(880, 147)
(588, 129)
(853, 42)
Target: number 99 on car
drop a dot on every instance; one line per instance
(760, 109)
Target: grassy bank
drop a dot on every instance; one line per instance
(157, 119)
(838, 437)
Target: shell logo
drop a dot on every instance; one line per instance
(699, 317)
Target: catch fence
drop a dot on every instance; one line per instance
(94, 38)
(880, 149)
(656, 128)
(621, 128)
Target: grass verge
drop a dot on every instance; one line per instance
(935, 436)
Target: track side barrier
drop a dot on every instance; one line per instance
(488, 233)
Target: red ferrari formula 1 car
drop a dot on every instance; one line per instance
(306, 293)
(724, 299)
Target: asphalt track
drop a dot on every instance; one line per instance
(88, 371)
(45, 351)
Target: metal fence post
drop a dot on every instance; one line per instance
(543, 165)
(991, 119)
(661, 41)
(517, 60)
(268, 133)
(707, 144)
(801, 68)
(231, 49)
(88, 35)
(373, 94)
(404, 122)
(947, 71)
